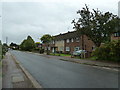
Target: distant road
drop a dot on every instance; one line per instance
(53, 73)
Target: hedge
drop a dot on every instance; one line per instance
(109, 51)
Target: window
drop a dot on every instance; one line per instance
(117, 34)
(68, 41)
(72, 40)
(93, 48)
(53, 42)
(77, 39)
(67, 48)
(76, 48)
(48, 48)
(61, 48)
(45, 48)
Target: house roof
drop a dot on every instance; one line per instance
(67, 35)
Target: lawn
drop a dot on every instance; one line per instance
(57, 54)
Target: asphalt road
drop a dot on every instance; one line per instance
(53, 73)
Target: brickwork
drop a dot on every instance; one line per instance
(113, 37)
(71, 41)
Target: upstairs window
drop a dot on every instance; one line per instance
(72, 40)
(77, 39)
(53, 42)
(67, 40)
(93, 48)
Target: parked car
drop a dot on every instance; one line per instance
(78, 53)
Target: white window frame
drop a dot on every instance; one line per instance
(72, 40)
(77, 39)
(67, 48)
(67, 40)
(53, 42)
(93, 48)
(48, 48)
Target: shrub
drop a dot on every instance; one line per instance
(109, 51)
(41, 51)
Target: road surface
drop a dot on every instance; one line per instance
(53, 73)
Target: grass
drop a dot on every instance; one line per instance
(92, 58)
(57, 54)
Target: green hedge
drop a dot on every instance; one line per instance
(109, 51)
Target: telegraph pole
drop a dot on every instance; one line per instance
(6, 40)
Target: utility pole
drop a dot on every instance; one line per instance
(6, 40)
(82, 42)
(119, 9)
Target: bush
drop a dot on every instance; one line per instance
(109, 51)
(41, 51)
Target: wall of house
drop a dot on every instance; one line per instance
(71, 45)
(70, 42)
(84, 43)
(60, 45)
(114, 38)
(88, 44)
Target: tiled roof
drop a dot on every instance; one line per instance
(67, 35)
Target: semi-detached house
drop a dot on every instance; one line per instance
(115, 36)
(70, 42)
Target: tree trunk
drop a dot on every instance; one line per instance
(48, 50)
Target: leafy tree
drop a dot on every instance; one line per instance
(23, 45)
(37, 44)
(28, 44)
(46, 39)
(96, 25)
(14, 46)
(4, 48)
(109, 51)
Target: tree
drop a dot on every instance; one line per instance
(14, 46)
(37, 44)
(96, 25)
(4, 48)
(108, 51)
(46, 39)
(28, 44)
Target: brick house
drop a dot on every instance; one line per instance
(115, 36)
(75, 41)
(70, 42)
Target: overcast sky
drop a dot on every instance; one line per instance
(20, 19)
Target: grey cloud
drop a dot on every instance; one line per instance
(20, 19)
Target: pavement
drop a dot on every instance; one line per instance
(52, 72)
(13, 76)
(106, 64)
